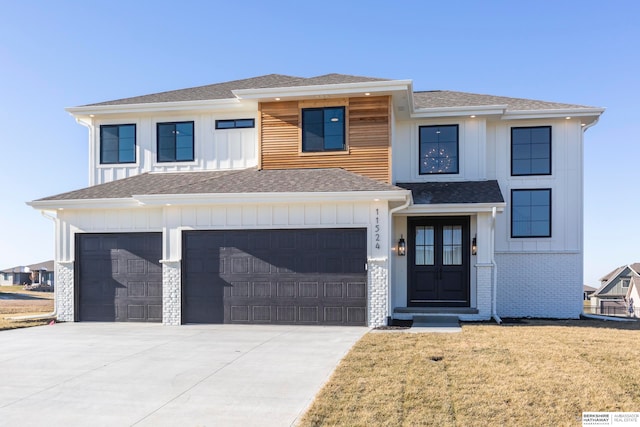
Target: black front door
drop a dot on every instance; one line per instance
(438, 258)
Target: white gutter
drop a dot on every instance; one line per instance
(478, 110)
(445, 208)
(391, 241)
(269, 197)
(494, 285)
(207, 104)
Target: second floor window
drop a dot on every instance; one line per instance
(117, 144)
(531, 151)
(175, 142)
(323, 129)
(438, 149)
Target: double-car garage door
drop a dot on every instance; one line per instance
(303, 276)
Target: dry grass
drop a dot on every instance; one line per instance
(14, 301)
(537, 373)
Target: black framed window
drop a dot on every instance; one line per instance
(235, 124)
(175, 142)
(438, 149)
(531, 150)
(323, 129)
(117, 144)
(531, 213)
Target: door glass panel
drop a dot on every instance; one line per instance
(452, 245)
(424, 245)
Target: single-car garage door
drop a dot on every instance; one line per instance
(119, 277)
(311, 276)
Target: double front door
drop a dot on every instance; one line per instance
(438, 256)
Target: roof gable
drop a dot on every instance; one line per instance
(610, 285)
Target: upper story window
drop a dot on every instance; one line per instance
(625, 283)
(175, 142)
(235, 124)
(531, 213)
(117, 144)
(323, 129)
(438, 149)
(531, 151)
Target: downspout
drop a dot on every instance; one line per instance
(391, 241)
(54, 313)
(494, 287)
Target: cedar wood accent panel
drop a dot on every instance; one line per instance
(368, 137)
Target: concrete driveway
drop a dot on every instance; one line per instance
(108, 374)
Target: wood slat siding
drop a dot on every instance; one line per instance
(368, 138)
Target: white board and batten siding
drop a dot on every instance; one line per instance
(214, 149)
(173, 220)
(471, 155)
(565, 183)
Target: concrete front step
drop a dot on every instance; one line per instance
(436, 321)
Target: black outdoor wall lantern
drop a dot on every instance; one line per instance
(474, 246)
(402, 246)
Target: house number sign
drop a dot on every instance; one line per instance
(376, 236)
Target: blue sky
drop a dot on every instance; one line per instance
(68, 53)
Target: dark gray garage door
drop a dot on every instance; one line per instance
(312, 276)
(119, 277)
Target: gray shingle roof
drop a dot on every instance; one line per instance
(237, 181)
(447, 98)
(48, 265)
(432, 193)
(223, 90)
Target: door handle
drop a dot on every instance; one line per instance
(440, 273)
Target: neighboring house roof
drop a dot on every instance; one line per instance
(610, 280)
(231, 182)
(446, 98)
(430, 193)
(46, 265)
(223, 90)
(421, 99)
(635, 267)
(589, 289)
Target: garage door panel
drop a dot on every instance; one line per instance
(314, 276)
(119, 276)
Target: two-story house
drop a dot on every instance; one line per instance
(334, 199)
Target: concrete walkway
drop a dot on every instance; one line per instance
(106, 374)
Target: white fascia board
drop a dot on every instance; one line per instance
(212, 104)
(272, 198)
(323, 90)
(84, 204)
(545, 114)
(480, 110)
(454, 208)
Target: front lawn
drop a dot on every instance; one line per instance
(532, 373)
(14, 301)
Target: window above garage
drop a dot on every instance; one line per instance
(175, 142)
(323, 129)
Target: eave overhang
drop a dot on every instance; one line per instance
(159, 200)
(384, 87)
(452, 208)
(158, 107)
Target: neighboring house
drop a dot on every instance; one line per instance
(42, 272)
(587, 291)
(334, 199)
(612, 296)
